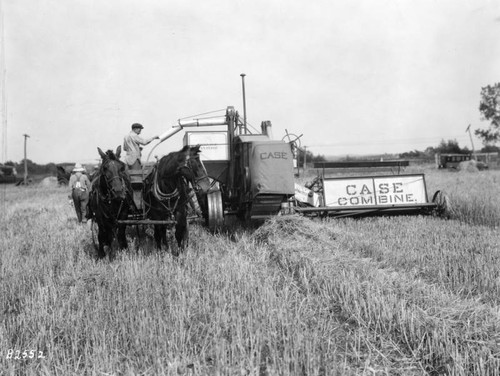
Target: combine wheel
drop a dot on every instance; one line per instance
(442, 201)
(215, 211)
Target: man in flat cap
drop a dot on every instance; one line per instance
(132, 146)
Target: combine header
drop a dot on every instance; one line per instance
(356, 196)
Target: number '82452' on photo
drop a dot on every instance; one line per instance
(13, 354)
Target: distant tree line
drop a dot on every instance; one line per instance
(34, 168)
(446, 147)
(310, 157)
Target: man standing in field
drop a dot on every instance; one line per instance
(132, 146)
(79, 184)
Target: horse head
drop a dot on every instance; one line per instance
(168, 167)
(113, 175)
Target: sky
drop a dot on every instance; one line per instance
(351, 76)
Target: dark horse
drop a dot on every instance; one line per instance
(168, 193)
(110, 200)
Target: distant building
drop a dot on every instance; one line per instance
(444, 160)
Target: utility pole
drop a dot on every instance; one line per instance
(470, 135)
(305, 157)
(3, 73)
(25, 160)
(244, 103)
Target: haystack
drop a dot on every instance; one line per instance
(468, 166)
(50, 181)
(291, 228)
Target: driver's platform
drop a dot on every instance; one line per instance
(137, 180)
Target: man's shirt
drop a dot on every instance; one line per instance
(81, 181)
(131, 145)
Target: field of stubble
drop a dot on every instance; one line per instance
(379, 296)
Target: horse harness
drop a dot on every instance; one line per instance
(108, 198)
(169, 201)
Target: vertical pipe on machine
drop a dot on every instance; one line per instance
(244, 103)
(231, 125)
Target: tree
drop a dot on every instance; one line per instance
(34, 168)
(430, 151)
(489, 107)
(310, 157)
(414, 154)
(451, 147)
(490, 149)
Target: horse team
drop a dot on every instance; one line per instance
(173, 185)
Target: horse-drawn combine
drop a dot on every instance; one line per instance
(251, 177)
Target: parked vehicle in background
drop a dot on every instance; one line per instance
(8, 174)
(64, 172)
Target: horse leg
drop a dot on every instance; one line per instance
(181, 230)
(108, 247)
(122, 239)
(105, 237)
(158, 236)
(164, 239)
(101, 237)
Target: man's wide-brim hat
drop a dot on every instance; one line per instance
(137, 125)
(78, 168)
